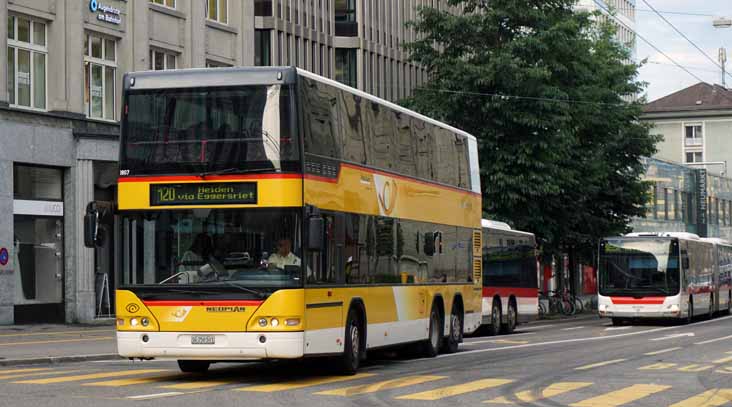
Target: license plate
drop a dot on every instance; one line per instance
(203, 340)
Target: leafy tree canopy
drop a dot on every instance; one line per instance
(549, 94)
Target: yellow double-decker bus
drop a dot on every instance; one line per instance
(272, 213)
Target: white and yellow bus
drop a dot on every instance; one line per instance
(272, 213)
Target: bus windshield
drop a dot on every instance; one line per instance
(197, 130)
(639, 267)
(235, 248)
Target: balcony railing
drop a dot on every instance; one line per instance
(693, 141)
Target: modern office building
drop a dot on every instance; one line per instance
(60, 102)
(624, 18)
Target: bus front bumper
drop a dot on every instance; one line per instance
(226, 346)
(671, 311)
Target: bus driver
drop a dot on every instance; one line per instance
(284, 256)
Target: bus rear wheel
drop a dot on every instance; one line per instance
(193, 366)
(351, 358)
(456, 332)
(511, 318)
(495, 328)
(431, 346)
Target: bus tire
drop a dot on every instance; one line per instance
(431, 346)
(496, 317)
(690, 313)
(711, 306)
(193, 366)
(511, 317)
(729, 302)
(455, 336)
(351, 358)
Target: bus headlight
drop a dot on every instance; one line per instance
(144, 321)
(133, 322)
(262, 322)
(275, 322)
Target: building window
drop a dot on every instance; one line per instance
(694, 157)
(693, 135)
(262, 48)
(166, 3)
(161, 60)
(100, 68)
(346, 66)
(217, 10)
(345, 18)
(27, 54)
(215, 64)
(263, 8)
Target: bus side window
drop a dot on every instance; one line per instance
(684, 265)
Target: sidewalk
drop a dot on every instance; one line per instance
(35, 344)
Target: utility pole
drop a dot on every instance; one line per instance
(722, 62)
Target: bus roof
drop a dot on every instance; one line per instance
(255, 75)
(678, 235)
(493, 224)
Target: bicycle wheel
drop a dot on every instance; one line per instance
(578, 305)
(567, 307)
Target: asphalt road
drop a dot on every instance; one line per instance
(580, 363)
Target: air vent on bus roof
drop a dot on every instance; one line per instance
(495, 224)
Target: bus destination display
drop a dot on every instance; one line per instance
(203, 194)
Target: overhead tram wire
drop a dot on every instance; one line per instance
(685, 37)
(610, 14)
(678, 13)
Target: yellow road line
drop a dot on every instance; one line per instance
(22, 375)
(622, 396)
(724, 360)
(91, 338)
(499, 400)
(455, 390)
(695, 368)
(658, 352)
(35, 369)
(111, 331)
(384, 385)
(104, 375)
(658, 366)
(552, 390)
(725, 370)
(710, 398)
(199, 384)
(510, 342)
(594, 365)
(298, 384)
(135, 380)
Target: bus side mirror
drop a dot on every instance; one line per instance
(91, 225)
(316, 231)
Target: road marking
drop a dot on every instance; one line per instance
(695, 368)
(58, 333)
(594, 365)
(23, 375)
(710, 398)
(510, 342)
(618, 328)
(155, 395)
(384, 385)
(673, 336)
(199, 384)
(622, 396)
(93, 338)
(65, 379)
(298, 384)
(572, 328)
(714, 340)
(658, 352)
(658, 366)
(455, 390)
(724, 360)
(553, 390)
(563, 341)
(725, 370)
(134, 380)
(35, 369)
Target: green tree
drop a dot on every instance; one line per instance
(547, 91)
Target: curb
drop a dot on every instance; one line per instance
(561, 320)
(59, 359)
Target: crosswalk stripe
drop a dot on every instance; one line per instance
(199, 384)
(65, 379)
(710, 398)
(134, 380)
(553, 390)
(622, 396)
(695, 368)
(384, 385)
(658, 366)
(605, 363)
(35, 374)
(298, 384)
(455, 390)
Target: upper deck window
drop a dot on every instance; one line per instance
(197, 130)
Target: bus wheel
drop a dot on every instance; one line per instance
(511, 317)
(729, 303)
(690, 314)
(193, 366)
(456, 332)
(431, 346)
(352, 350)
(496, 318)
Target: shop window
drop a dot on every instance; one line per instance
(161, 60)
(217, 10)
(100, 69)
(27, 54)
(166, 3)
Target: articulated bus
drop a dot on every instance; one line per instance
(269, 213)
(663, 275)
(510, 277)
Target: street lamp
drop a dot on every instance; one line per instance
(722, 22)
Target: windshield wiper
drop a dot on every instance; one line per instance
(260, 294)
(234, 170)
(195, 292)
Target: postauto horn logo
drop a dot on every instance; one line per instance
(132, 308)
(93, 5)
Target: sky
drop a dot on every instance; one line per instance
(662, 76)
